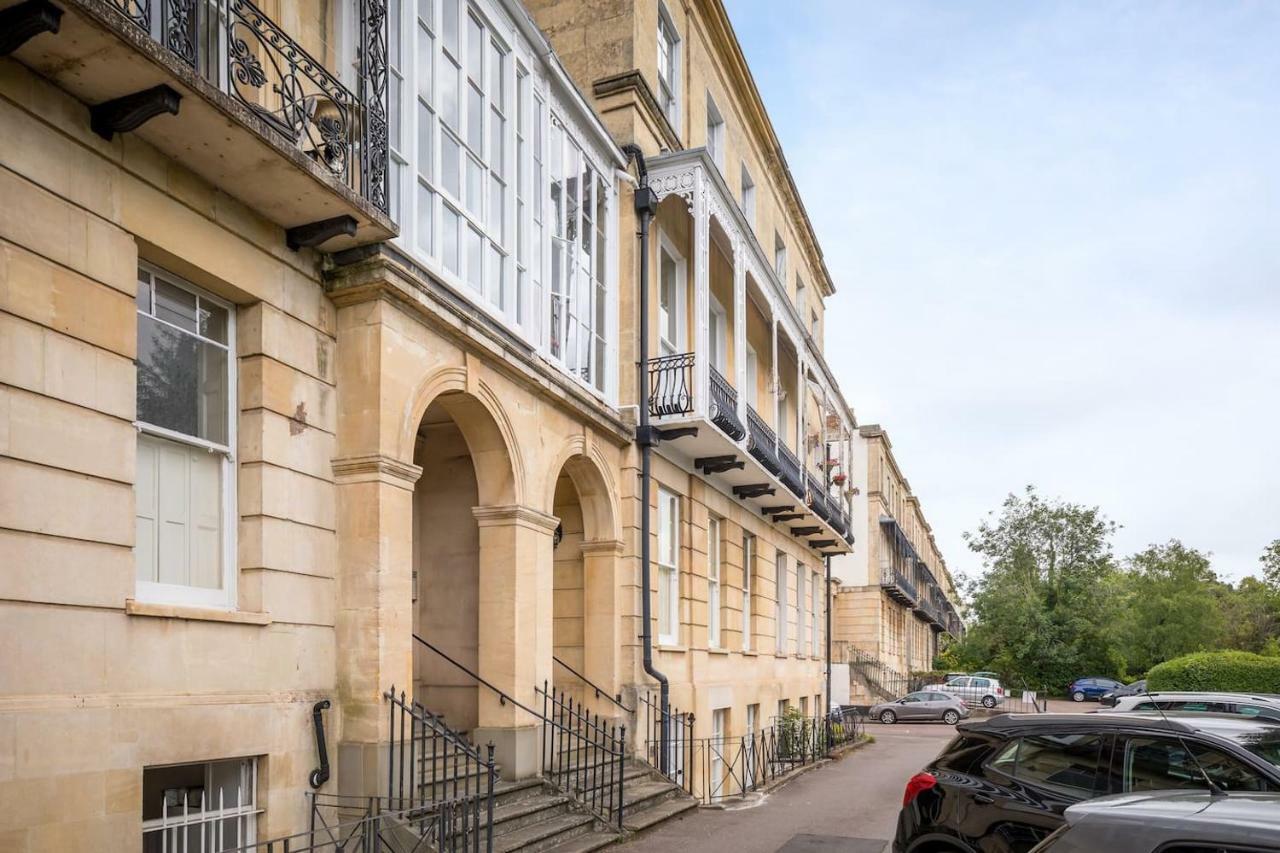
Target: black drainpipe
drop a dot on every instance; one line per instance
(646, 205)
(827, 713)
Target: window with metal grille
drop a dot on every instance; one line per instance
(205, 806)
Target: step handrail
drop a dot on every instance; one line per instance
(503, 697)
(600, 691)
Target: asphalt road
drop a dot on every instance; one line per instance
(848, 806)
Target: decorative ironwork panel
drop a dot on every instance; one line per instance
(724, 406)
(137, 11)
(374, 153)
(671, 385)
(791, 476)
(762, 442)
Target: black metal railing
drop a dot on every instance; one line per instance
(790, 475)
(762, 442)
(896, 584)
(599, 691)
(239, 49)
(671, 385)
(720, 768)
(583, 754)
(724, 405)
(669, 738)
(429, 765)
(341, 824)
(882, 682)
(818, 498)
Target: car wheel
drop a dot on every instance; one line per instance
(988, 701)
(951, 718)
(1078, 696)
(888, 718)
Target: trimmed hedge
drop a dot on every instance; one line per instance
(1229, 672)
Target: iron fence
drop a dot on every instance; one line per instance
(668, 738)
(724, 405)
(671, 385)
(431, 767)
(583, 754)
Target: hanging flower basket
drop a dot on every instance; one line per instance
(839, 479)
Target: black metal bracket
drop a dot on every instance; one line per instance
(718, 464)
(755, 490)
(805, 531)
(788, 516)
(775, 510)
(129, 112)
(821, 543)
(23, 22)
(315, 233)
(651, 436)
(321, 774)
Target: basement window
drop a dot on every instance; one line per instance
(210, 805)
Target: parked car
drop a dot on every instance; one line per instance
(1091, 688)
(1244, 704)
(1170, 822)
(1109, 698)
(985, 674)
(1003, 783)
(978, 690)
(921, 705)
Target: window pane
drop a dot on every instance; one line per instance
(475, 259)
(475, 50)
(426, 205)
(450, 164)
(426, 55)
(449, 239)
(425, 9)
(175, 305)
(426, 133)
(475, 177)
(475, 118)
(143, 299)
(449, 19)
(1154, 764)
(179, 514)
(182, 382)
(213, 321)
(450, 83)
(1068, 763)
(497, 223)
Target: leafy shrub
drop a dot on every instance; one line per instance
(1230, 672)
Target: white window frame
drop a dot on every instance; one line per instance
(780, 258)
(669, 76)
(780, 601)
(748, 197)
(715, 133)
(665, 345)
(177, 826)
(748, 578)
(668, 567)
(166, 593)
(714, 570)
(752, 380)
(802, 639)
(814, 583)
(719, 336)
(719, 743)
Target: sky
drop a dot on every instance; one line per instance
(1054, 229)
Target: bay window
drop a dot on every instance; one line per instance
(185, 484)
(501, 200)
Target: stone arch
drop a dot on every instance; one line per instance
(585, 466)
(485, 427)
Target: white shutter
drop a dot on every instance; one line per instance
(146, 509)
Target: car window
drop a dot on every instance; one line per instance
(1069, 763)
(916, 697)
(958, 682)
(1258, 711)
(939, 697)
(1157, 764)
(1204, 707)
(982, 683)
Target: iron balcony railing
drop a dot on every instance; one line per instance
(239, 49)
(896, 584)
(762, 442)
(724, 406)
(818, 498)
(791, 475)
(671, 385)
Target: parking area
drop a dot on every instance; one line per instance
(848, 806)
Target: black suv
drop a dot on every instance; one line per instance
(1002, 785)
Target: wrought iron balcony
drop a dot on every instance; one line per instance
(791, 476)
(762, 442)
(818, 498)
(240, 102)
(896, 584)
(724, 406)
(671, 385)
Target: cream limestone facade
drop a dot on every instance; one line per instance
(896, 599)
(293, 414)
(748, 509)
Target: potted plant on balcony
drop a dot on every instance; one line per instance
(839, 479)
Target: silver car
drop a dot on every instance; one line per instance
(921, 705)
(979, 690)
(1244, 704)
(1190, 821)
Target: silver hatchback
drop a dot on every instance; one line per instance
(921, 705)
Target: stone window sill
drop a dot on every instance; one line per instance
(749, 653)
(669, 648)
(134, 607)
(718, 651)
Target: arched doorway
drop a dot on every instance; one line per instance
(465, 465)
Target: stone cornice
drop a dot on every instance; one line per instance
(633, 81)
(383, 273)
(603, 546)
(376, 468)
(515, 514)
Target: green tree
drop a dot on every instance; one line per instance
(1270, 560)
(1048, 603)
(1250, 616)
(1173, 607)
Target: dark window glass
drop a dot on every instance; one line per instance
(1069, 763)
(1155, 764)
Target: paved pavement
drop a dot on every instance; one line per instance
(848, 806)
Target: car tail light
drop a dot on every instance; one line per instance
(999, 691)
(917, 784)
